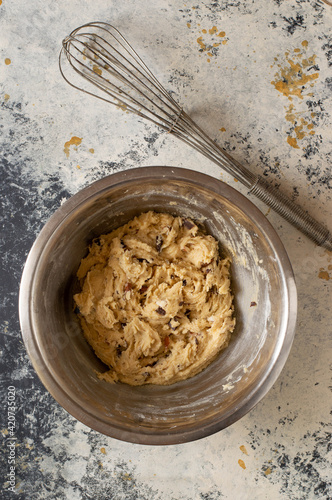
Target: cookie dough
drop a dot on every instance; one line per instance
(155, 301)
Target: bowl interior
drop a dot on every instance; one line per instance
(232, 384)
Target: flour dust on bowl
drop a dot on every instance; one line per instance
(264, 299)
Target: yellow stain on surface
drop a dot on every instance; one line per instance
(323, 275)
(291, 114)
(8, 61)
(292, 142)
(209, 40)
(267, 471)
(97, 70)
(74, 141)
(103, 450)
(222, 129)
(91, 150)
(301, 127)
(241, 463)
(291, 80)
(201, 43)
(295, 75)
(244, 449)
(6, 97)
(299, 132)
(0, 2)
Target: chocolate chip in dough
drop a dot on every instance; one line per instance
(188, 224)
(159, 243)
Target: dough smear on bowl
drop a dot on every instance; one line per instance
(155, 301)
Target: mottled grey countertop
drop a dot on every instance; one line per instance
(256, 75)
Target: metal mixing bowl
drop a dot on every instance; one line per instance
(265, 302)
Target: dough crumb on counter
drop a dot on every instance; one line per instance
(155, 302)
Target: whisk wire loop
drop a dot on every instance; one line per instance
(93, 55)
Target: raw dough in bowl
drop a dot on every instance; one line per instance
(155, 301)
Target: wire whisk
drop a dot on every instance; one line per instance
(114, 73)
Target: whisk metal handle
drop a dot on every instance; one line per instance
(292, 212)
(187, 130)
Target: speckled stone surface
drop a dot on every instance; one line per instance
(257, 76)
